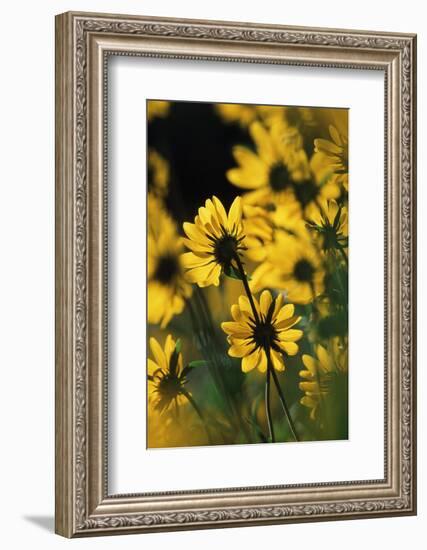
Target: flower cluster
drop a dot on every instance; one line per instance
(256, 286)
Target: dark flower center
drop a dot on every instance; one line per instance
(225, 249)
(169, 387)
(264, 334)
(306, 192)
(167, 269)
(330, 240)
(304, 271)
(279, 177)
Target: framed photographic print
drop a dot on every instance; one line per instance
(235, 274)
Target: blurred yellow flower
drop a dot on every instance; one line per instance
(291, 124)
(318, 186)
(336, 154)
(293, 265)
(320, 372)
(166, 375)
(288, 217)
(158, 109)
(330, 222)
(168, 288)
(271, 171)
(235, 112)
(258, 229)
(215, 240)
(158, 174)
(269, 334)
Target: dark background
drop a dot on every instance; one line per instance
(198, 145)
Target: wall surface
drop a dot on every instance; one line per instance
(27, 272)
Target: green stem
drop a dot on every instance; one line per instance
(210, 344)
(199, 413)
(204, 344)
(268, 404)
(283, 401)
(246, 285)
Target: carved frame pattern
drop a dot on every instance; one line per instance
(83, 506)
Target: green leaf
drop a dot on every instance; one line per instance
(199, 363)
(234, 273)
(173, 363)
(178, 346)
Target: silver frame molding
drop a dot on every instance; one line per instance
(83, 43)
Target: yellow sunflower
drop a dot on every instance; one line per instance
(270, 172)
(293, 265)
(267, 335)
(321, 373)
(168, 288)
(335, 151)
(158, 174)
(330, 221)
(166, 375)
(157, 109)
(215, 241)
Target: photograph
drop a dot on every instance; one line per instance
(247, 273)
(235, 271)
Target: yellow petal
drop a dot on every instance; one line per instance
(292, 335)
(204, 215)
(306, 374)
(222, 215)
(324, 358)
(265, 302)
(285, 313)
(190, 260)
(310, 387)
(213, 277)
(277, 360)
(235, 214)
(238, 315)
(236, 329)
(197, 246)
(310, 363)
(264, 143)
(240, 350)
(245, 306)
(158, 354)
(289, 347)
(249, 362)
(300, 293)
(194, 233)
(151, 367)
(308, 401)
(278, 305)
(201, 274)
(262, 361)
(327, 147)
(252, 173)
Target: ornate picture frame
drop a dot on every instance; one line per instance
(84, 42)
